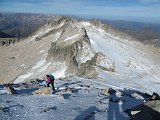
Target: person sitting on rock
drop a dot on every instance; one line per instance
(50, 80)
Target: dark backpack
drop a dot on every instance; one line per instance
(52, 77)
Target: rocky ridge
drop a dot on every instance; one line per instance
(122, 74)
(68, 47)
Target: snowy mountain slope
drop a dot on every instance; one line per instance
(134, 62)
(79, 49)
(61, 47)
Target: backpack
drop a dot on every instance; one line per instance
(52, 77)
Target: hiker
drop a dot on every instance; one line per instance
(50, 80)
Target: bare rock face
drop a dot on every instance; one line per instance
(103, 62)
(100, 61)
(72, 48)
(155, 96)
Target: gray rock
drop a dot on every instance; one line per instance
(89, 69)
(71, 48)
(11, 89)
(148, 111)
(155, 96)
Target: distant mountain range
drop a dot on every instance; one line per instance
(138, 30)
(100, 72)
(138, 26)
(19, 25)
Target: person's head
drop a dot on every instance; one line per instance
(47, 75)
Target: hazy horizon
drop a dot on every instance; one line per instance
(126, 10)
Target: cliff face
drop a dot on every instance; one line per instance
(72, 48)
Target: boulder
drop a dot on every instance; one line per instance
(46, 91)
(155, 105)
(142, 115)
(105, 92)
(147, 111)
(155, 96)
(90, 68)
(11, 89)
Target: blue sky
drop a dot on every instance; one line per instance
(133, 10)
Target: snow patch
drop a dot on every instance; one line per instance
(85, 53)
(39, 64)
(45, 30)
(3, 91)
(22, 65)
(86, 24)
(69, 38)
(58, 35)
(59, 74)
(41, 51)
(43, 68)
(22, 78)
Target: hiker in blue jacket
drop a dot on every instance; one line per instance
(50, 80)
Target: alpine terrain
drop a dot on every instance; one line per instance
(100, 73)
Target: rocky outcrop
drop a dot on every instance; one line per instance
(55, 26)
(72, 48)
(89, 69)
(149, 110)
(11, 89)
